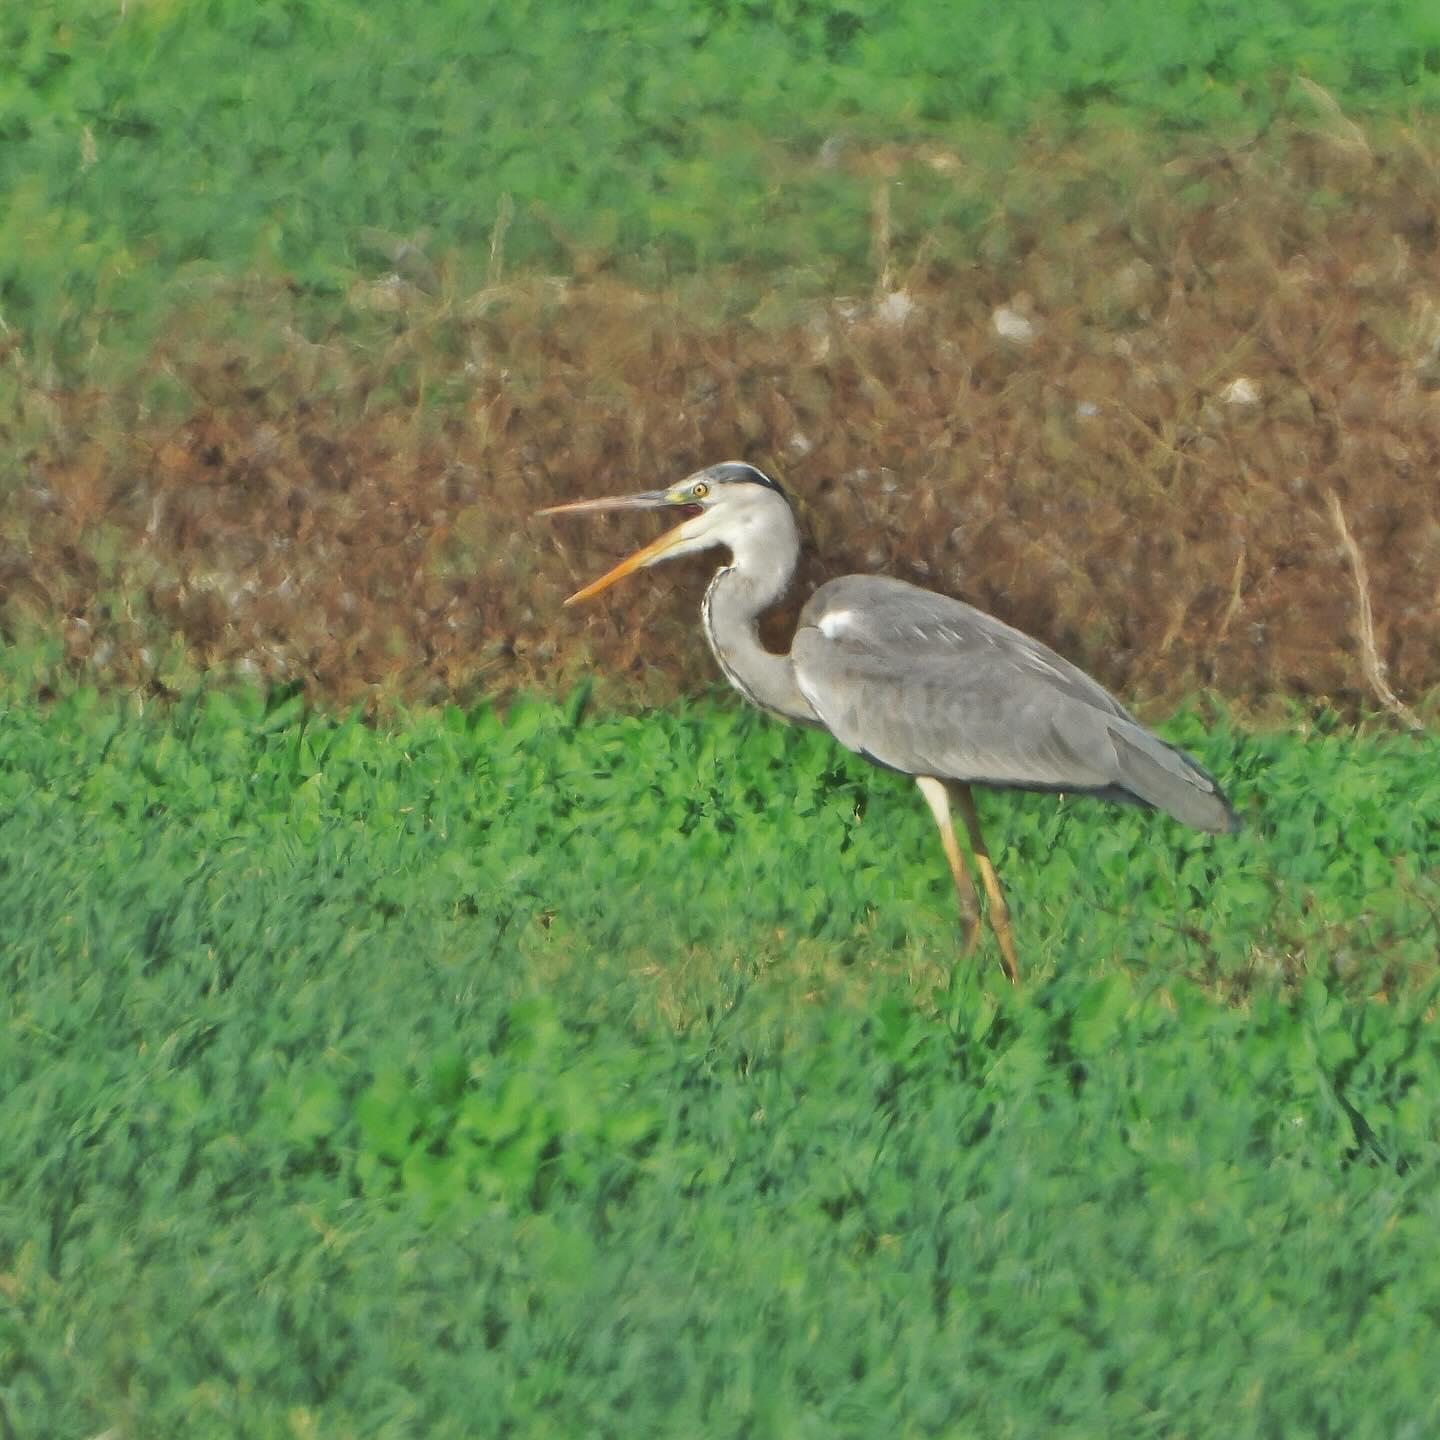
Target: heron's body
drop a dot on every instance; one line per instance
(915, 681)
(920, 683)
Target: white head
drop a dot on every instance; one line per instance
(731, 504)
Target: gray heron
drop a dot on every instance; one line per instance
(911, 680)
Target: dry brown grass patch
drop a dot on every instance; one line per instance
(1120, 435)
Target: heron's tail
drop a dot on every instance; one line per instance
(1167, 778)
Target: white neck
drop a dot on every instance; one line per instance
(763, 561)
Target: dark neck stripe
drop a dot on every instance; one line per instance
(737, 472)
(708, 624)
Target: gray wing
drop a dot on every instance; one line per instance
(930, 686)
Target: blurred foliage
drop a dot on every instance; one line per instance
(559, 1073)
(1080, 312)
(143, 146)
(534, 1112)
(1119, 428)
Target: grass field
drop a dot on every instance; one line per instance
(349, 1093)
(670, 134)
(400, 1040)
(287, 358)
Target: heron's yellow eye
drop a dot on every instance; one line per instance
(699, 489)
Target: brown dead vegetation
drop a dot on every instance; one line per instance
(1121, 434)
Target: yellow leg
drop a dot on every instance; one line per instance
(999, 910)
(937, 797)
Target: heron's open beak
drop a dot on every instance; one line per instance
(646, 555)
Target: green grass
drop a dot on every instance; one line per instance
(597, 1074)
(612, 1075)
(148, 150)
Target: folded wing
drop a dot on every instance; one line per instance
(931, 686)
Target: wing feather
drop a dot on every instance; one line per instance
(931, 686)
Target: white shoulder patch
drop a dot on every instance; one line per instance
(836, 623)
